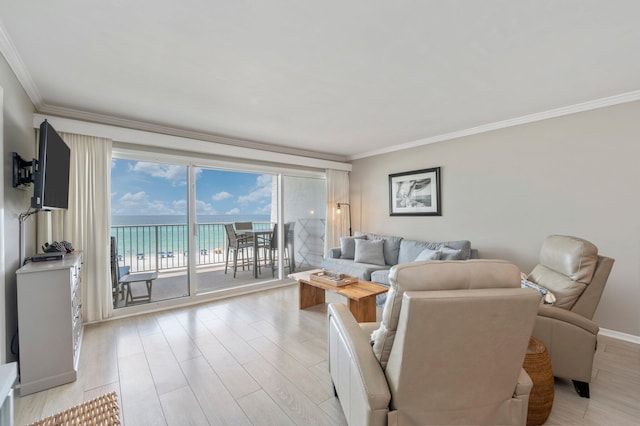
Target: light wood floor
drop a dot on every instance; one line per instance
(257, 359)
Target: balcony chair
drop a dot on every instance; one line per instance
(122, 279)
(263, 240)
(243, 226)
(449, 349)
(573, 271)
(237, 244)
(116, 272)
(273, 248)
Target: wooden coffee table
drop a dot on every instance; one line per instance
(361, 296)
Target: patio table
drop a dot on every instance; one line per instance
(256, 234)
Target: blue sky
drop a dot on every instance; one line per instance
(141, 188)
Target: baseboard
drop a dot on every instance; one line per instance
(620, 336)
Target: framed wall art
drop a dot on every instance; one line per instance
(415, 193)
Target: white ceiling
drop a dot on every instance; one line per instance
(349, 78)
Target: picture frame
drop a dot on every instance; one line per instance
(415, 193)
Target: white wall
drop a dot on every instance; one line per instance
(17, 135)
(507, 189)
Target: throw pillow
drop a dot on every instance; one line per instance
(447, 253)
(529, 284)
(428, 254)
(369, 252)
(547, 296)
(348, 246)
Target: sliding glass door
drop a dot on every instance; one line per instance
(149, 228)
(205, 229)
(235, 215)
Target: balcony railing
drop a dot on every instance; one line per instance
(166, 247)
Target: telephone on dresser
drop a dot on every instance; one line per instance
(56, 247)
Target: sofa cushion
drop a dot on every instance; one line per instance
(447, 253)
(348, 246)
(410, 249)
(369, 252)
(361, 270)
(381, 277)
(437, 275)
(428, 254)
(391, 246)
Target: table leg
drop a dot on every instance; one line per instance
(309, 295)
(128, 297)
(363, 310)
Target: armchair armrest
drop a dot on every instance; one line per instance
(358, 378)
(523, 391)
(564, 315)
(335, 253)
(571, 340)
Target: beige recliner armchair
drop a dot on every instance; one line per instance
(449, 349)
(573, 271)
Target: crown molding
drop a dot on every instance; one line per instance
(10, 53)
(151, 139)
(558, 112)
(183, 133)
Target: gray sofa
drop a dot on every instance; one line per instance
(348, 259)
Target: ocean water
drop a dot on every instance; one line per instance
(123, 220)
(166, 236)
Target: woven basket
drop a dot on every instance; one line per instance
(101, 411)
(538, 365)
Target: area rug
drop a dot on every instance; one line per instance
(100, 411)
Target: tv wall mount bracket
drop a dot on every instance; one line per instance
(22, 173)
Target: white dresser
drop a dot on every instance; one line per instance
(8, 375)
(49, 323)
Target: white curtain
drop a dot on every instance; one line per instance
(337, 223)
(85, 224)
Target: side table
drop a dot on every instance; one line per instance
(537, 364)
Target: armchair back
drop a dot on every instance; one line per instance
(571, 268)
(437, 275)
(458, 355)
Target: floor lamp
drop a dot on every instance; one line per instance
(338, 211)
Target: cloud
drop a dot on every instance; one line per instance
(140, 204)
(180, 205)
(233, 211)
(263, 189)
(129, 198)
(170, 172)
(201, 207)
(266, 209)
(204, 208)
(221, 196)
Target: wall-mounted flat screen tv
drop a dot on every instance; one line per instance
(51, 177)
